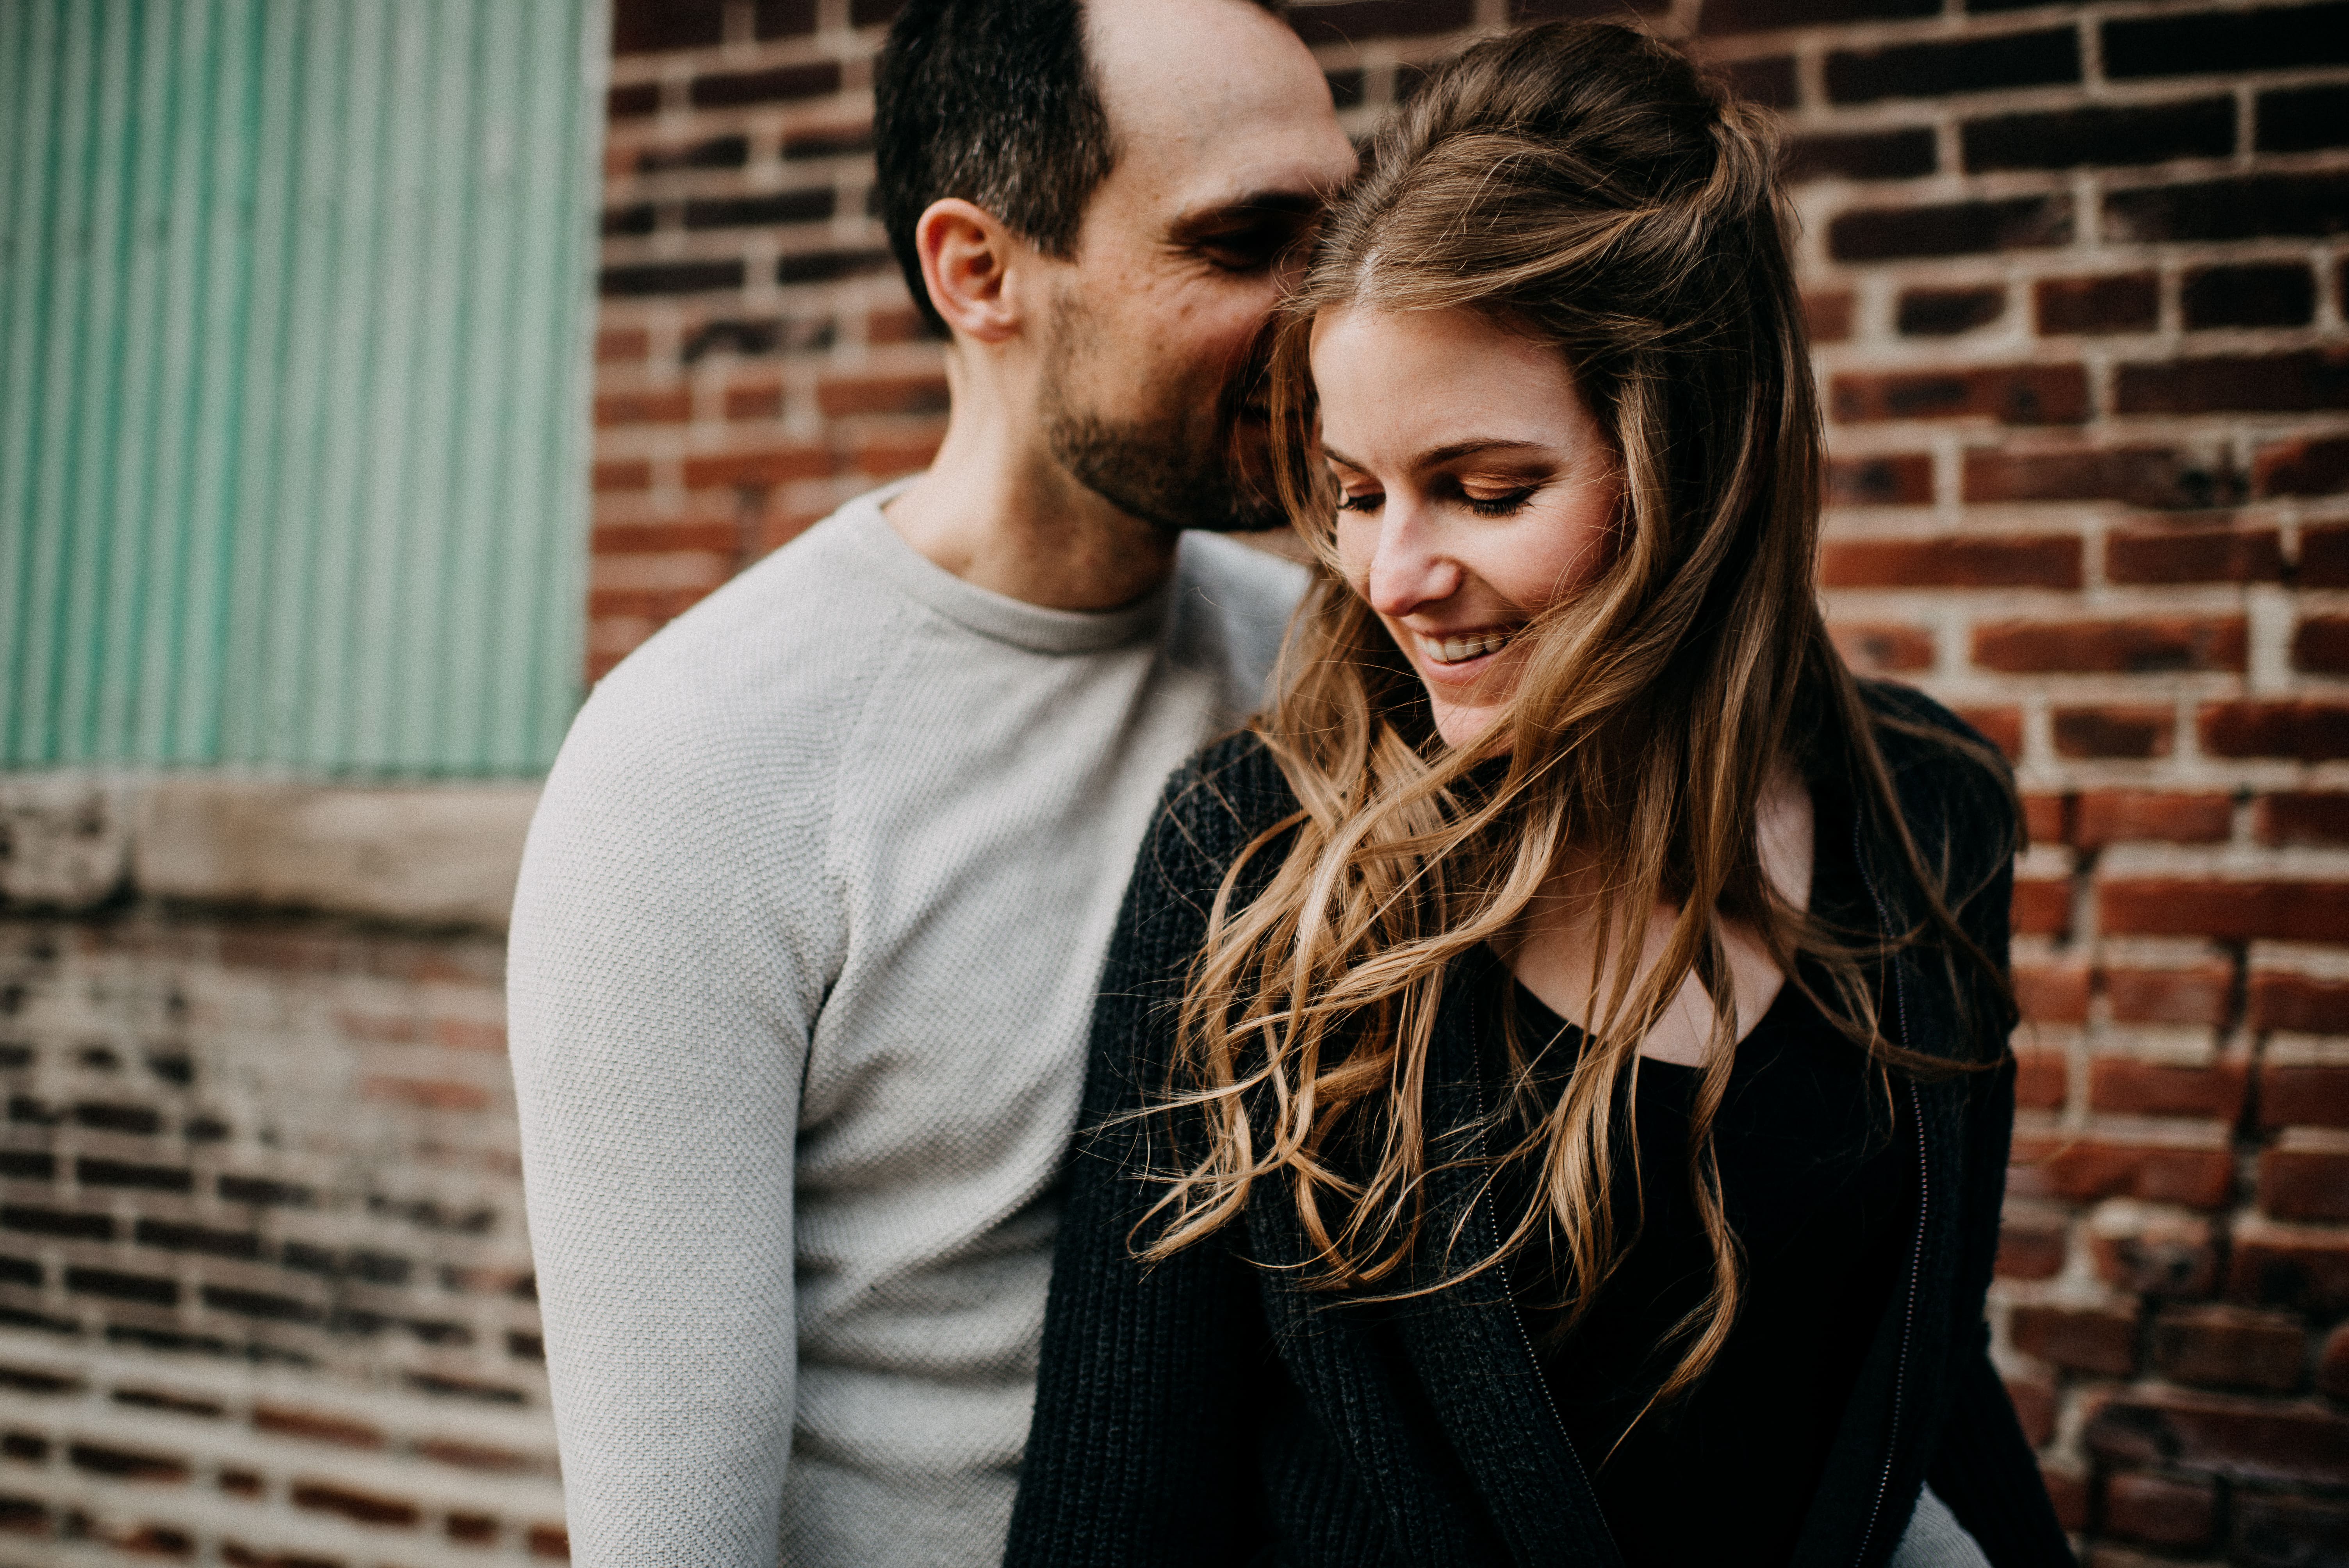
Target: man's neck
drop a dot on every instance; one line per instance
(999, 513)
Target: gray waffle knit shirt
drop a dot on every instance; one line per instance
(802, 960)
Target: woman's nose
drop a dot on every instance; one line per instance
(1409, 570)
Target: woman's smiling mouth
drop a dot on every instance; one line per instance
(1461, 647)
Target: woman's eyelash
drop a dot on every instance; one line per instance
(1499, 505)
(1361, 503)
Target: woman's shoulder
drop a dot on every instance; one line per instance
(1955, 788)
(1215, 806)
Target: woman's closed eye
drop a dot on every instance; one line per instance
(1361, 500)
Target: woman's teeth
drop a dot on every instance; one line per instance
(1456, 650)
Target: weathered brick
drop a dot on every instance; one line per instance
(2324, 556)
(632, 101)
(2034, 1410)
(811, 206)
(1964, 561)
(2276, 383)
(2295, 1094)
(645, 26)
(2333, 1364)
(2044, 820)
(2230, 1347)
(2265, 294)
(2125, 302)
(2010, 393)
(2137, 133)
(1881, 647)
(2280, 911)
(2319, 643)
(830, 266)
(2162, 1511)
(2311, 731)
(1864, 155)
(782, 84)
(670, 278)
(2030, 1248)
(1827, 316)
(2245, 1440)
(2206, 43)
(2153, 476)
(2173, 554)
(2041, 908)
(2278, 1531)
(2303, 466)
(2114, 816)
(2067, 1491)
(2137, 646)
(667, 405)
(2053, 993)
(2312, 817)
(2307, 206)
(782, 18)
(2302, 119)
(2304, 1267)
(2298, 1003)
(728, 151)
(1901, 479)
(756, 470)
(2097, 1340)
(1952, 229)
(1756, 15)
(2042, 1078)
(2305, 1180)
(2113, 729)
(1969, 65)
(2083, 1168)
(882, 395)
(1945, 313)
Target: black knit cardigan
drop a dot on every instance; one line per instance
(1203, 1410)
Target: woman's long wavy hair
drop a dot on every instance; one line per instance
(1583, 185)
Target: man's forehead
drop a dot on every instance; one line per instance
(1213, 101)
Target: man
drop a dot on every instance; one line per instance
(809, 926)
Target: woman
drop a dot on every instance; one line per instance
(1550, 1099)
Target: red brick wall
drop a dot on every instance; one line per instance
(2076, 277)
(265, 1289)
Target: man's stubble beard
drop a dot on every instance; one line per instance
(1179, 466)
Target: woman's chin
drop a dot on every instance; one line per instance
(1461, 723)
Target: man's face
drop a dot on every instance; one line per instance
(1226, 144)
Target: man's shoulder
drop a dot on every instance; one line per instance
(1233, 604)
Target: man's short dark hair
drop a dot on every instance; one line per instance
(993, 101)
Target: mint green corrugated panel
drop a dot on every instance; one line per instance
(294, 301)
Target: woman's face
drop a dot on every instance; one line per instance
(1476, 491)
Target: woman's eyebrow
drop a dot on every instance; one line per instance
(1445, 453)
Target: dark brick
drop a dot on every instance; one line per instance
(2320, 644)
(2143, 647)
(827, 266)
(2307, 206)
(783, 19)
(2114, 731)
(1346, 88)
(746, 212)
(1955, 228)
(623, 222)
(644, 26)
(2263, 384)
(2304, 817)
(2065, 138)
(122, 1173)
(670, 278)
(2214, 43)
(2288, 1445)
(1768, 82)
(2230, 1347)
(2155, 478)
(56, 1222)
(29, 1165)
(1944, 313)
(180, 1238)
(1757, 16)
(2272, 1531)
(2324, 551)
(2160, 1511)
(1897, 480)
(2263, 295)
(1887, 155)
(634, 102)
(831, 141)
(261, 1190)
(1962, 561)
(1827, 316)
(714, 152)
(260, 1304)
(2311, 731)
(151, 1289)
(1972, 66)
(2301, 119)
(125, 1464)
(2125, 302)
(871, 13)
(20, 1271)
(783, 84)
(143, 1120)
(2172, 554)
(360, 1506)
(2011, 394)
(1351, 19)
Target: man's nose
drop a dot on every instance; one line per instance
(1410, 569)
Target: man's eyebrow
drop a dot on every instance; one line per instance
(1255, 203)
(1445, 453)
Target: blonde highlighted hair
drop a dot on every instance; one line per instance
(1580, 184)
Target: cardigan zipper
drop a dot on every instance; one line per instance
(1924, 1199)
(1509, 1295)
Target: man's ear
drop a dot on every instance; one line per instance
(967, 259)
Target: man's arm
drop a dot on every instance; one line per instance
(662, 981)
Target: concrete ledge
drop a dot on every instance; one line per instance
(425, 854)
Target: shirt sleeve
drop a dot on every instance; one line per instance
(666, 962)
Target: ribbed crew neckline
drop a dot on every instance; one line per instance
(996, 616)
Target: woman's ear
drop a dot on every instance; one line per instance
(967, 256)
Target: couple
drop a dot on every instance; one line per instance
(1547, 1100)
